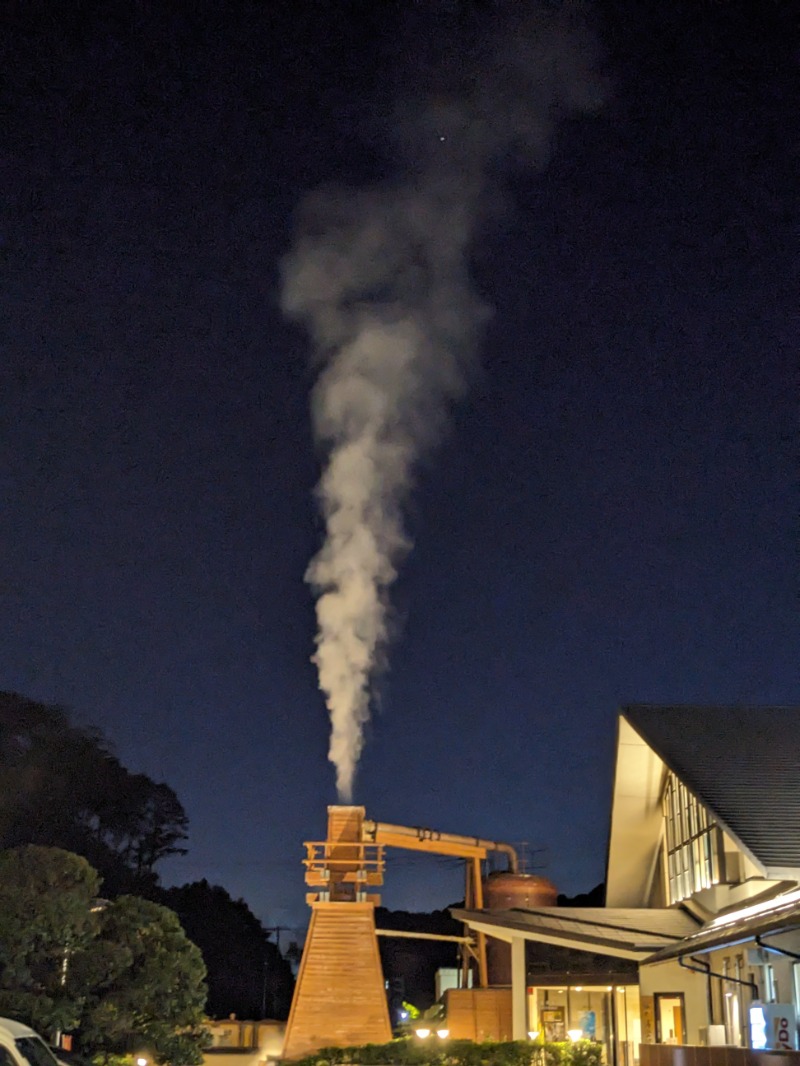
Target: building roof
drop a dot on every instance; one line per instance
(751, 920)
(629, 933)
(741, 763)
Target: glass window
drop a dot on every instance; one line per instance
(35, 1051)
(692, 842)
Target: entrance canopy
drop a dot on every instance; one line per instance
(625, 933)
(767, 918)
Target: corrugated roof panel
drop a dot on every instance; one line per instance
(743, 763)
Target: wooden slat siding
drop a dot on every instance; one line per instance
(339, 999)
(344, 827)
(478, 1013)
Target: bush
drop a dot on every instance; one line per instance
(411, 1052)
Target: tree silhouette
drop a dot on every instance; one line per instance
(62, 786)
(247, 975)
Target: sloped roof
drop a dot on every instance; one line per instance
(743, 763)
(633, 933)
(769, 917)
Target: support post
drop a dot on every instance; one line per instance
(519, 990)
(477, 882)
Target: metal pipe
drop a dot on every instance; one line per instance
(706, 969)
(773, 947)
(371, 830)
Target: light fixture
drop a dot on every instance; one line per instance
(574, 1034)
(609, 988)
(423, 1034)
(141, 1061)
(620, 988)
(443, 1033)
(579, 988)
(532, 1034)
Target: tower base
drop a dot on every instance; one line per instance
(339, 999)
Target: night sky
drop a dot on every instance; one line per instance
(611, 519)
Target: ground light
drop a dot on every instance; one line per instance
(532, 1034)
(574, 1034)
(423, 1034)
(443, 1033)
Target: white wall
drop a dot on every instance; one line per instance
(671, 977)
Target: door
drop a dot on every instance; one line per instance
(670, 1014)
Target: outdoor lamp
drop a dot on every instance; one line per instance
(443, 1033)
(574, 1034)
(423, 1033)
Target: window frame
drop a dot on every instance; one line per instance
(693, 851)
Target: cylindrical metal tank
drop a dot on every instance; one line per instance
(505, 892)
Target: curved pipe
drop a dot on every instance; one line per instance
(774, 947)
(371, 830)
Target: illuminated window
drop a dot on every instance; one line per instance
(692, 843)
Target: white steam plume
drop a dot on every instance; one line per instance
(380, 279)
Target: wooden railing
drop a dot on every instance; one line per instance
(329, 862)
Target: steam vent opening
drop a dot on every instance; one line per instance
(509, 891)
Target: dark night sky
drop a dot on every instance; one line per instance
(612, 518)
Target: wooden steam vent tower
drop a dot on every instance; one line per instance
(339, 998)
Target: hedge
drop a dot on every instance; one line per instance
(411, 1052)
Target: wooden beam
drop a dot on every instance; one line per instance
(424, 936)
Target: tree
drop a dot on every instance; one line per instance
(145, 984)
(247, 975)
(46, 924)
(63, 787)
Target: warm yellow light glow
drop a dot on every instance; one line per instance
(423, 1033)
(608, 988)
(579, 988)
(789, 899)
(443, 1033)
(620, 988)
(574, 1034)
(141, 1061)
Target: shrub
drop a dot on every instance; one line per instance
(411, 1052)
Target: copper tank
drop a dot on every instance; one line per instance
(510, 891)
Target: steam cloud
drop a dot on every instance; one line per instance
(380, 279)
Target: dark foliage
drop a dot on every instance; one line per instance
(410, 965)
(63, 787)
(595, 897)
(247, 975)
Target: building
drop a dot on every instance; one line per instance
(702, 895)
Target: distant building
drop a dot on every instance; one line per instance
(702, 914)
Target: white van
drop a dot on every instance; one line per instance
(22, 1046)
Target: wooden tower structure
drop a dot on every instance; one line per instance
(339, 997)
